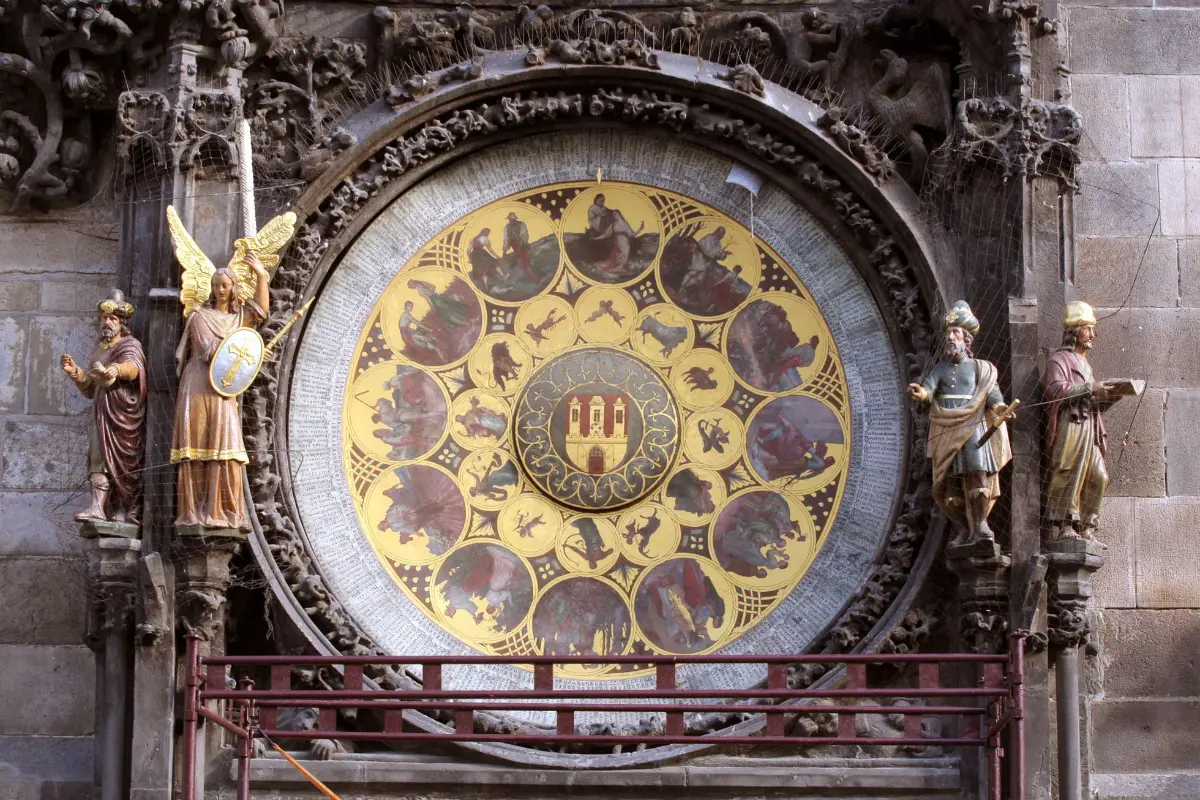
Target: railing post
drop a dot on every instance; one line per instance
(994, 677)
(664, 681)
(191, 698)
(281, 681)
(246, 745)
(776, 679)
(856, 678)
(1016, 656)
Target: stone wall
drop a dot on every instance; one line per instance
(1135, 68)
(53, 269)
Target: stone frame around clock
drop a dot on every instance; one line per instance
(776, 134)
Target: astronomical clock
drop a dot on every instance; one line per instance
(596, 418)
(593, 417)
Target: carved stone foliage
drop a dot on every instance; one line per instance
(1026, 138)
(593, 51)
(856, 143)
(502, 115)
(291, 108)
(63, 63)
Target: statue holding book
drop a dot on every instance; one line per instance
(1076, 440)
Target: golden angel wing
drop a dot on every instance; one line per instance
(195, 283)
(267, 243)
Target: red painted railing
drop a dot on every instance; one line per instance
(985, 711)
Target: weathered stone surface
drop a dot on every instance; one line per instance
(74, 296)
(48, 691)
(44, 601)
(1183, 436)
(1155, 344)
(1179, 196)
(40, 523)
(1117, 199)
(14, 340)
(1102, 101)
(1144, 735)
(1168, 558)
(1147, 785)
(1146, 650)
(1135, 271)
(1115, 584)
(18, 295)
(49, 758)
(43, 455)
(1189, 272)
(1134, 41)
(1172, 198)
(1136, 456)
(1189, 87)
(1156, 116)
(52, 246)
(50, 391)
(932, 776)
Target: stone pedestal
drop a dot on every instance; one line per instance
(112, 564)
(201, 581)
(983, 592)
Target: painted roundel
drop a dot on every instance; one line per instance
(596, 419)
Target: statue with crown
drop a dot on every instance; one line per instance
(968, 433)
(218, 357)
(1076, 439)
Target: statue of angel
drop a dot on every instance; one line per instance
(207, 442)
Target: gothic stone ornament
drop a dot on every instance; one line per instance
(1077, 474)
(639, 429)
(454, 128)
(596, 429)
(967, 454)
(115, 382)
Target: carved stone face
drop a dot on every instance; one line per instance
(222, 290)
(956, 343)
(1085, 337)
(110, 327)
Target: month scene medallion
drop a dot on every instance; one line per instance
(596, 418)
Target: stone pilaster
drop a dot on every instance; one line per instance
(112, 564)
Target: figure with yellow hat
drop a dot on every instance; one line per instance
(965, 404)
(115, 382)
(1075, 435)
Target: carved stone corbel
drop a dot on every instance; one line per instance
(982, 595)
(1072, 564)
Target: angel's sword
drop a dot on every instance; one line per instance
(283, 331)
(246, 179)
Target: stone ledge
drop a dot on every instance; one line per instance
(384, 771)
(1146, 785)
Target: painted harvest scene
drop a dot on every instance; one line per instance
(596, 418)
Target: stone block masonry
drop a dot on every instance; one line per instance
(1136, 81)
(53, 270)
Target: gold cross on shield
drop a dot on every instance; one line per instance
(241, 355)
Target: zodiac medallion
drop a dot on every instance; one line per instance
(596, 428)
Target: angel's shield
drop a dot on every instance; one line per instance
(237, 362)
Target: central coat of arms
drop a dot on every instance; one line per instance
(596, 428)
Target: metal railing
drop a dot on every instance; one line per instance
(985, 711)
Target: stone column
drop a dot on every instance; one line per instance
(1072, 564)
(112, 581)
(202, 580)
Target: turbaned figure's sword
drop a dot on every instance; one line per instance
(1003, 418)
